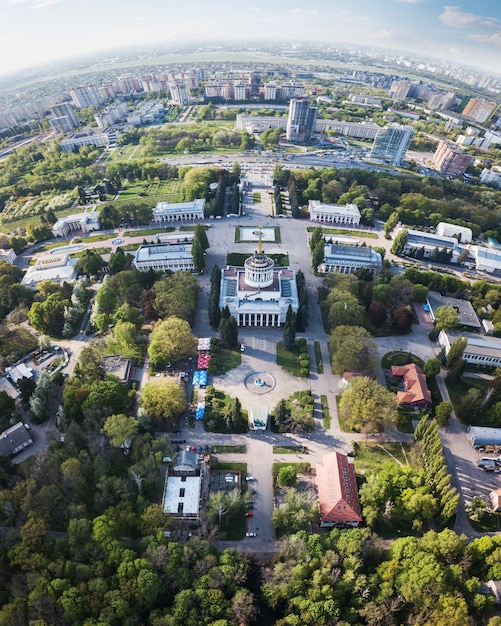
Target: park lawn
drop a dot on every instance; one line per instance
(237, 259)
(93, 238)
(400, 357)
(256, 197)
(318, 357)
(370, 457)
(343, 231)
(223, 359)
(301, 468)
(458, 389)
(326, 416)
(228, 449)
(149, 231)
(226, 466)
(288, 360)
(290, 450)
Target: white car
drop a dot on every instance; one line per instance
(251, 534)
(242, 348)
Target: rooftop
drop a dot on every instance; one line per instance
(467, 315)
(337, 490)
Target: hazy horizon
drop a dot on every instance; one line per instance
(39, 32)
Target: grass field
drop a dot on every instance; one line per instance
(237, 259)
(228, 450)
(318, 357)
(288, 360)
(370, 457)
(342, 231)
(223, 360)
(290, 450)
(326, 416)
(458, 389)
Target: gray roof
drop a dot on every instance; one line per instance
(467, 315)
(14, 439)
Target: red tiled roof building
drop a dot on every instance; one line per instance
(337, 490)
(416, 392)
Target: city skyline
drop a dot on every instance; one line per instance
(37, 32)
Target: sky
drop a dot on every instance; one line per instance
(35, 32)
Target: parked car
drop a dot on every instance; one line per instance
(251, 534)
(249, 514)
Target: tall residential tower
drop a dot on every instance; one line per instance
(301, 120)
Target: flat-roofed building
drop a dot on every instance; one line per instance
(80, 222)
(179, 211)
(466, 313)
(487, 259)
(391, 143)
(337, 492)
(118, 366)
(461, 233)
(9, 256)
(57, 268)
(164, 256)
(429, 243)
(183, 486)
(491, 177)
(448, 159)
(344, 259)
(334, 213)
(480, 350)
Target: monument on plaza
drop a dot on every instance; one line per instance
(259, 293)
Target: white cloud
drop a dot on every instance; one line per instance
(479, 28)
(303, 12)
(412, 1)
(45, 3)
(455, 18)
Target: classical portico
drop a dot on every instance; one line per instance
(259, 294)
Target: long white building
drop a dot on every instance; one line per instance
(258, 294)
(81, 222)
(480, 349)
(179, 211)
(344, 259)
(164, 256)
(334, 213)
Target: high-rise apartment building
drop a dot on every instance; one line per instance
(87, 96)
(448, 159)
(179, 92)
(291, 91)
(241, 90)
(63, 118)
(301, 120)
(391, 143)
(479, 110)
(400, 89)
(270, 91)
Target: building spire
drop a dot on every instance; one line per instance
(260, 242)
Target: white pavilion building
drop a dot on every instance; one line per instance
(259, 294)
